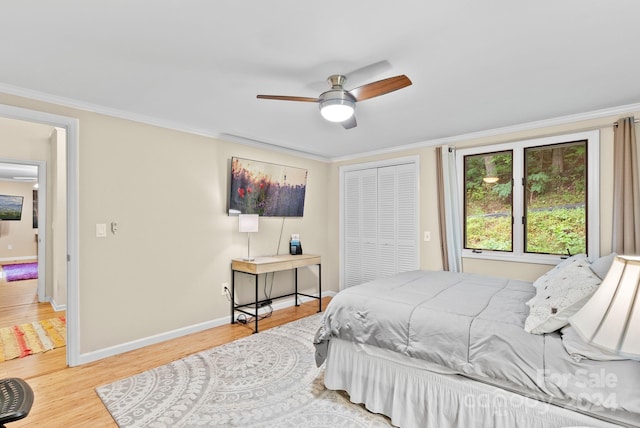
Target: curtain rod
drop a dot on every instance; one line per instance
(615, 124)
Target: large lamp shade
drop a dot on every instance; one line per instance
(611, 318)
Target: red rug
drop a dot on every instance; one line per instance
(20, 271)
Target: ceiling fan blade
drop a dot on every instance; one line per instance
(287, 98)
(380, 87)
(359, 76)
(349, 123)
(368, 72)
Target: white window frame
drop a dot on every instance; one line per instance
(593, 193)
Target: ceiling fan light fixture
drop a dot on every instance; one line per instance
(337, 105)
(337, 110)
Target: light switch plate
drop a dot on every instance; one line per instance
(101, 230)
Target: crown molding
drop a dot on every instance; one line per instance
(271, 147)
(94, 108)
(540, 124)
(148, 120)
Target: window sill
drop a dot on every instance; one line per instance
(541, 259)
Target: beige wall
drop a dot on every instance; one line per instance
(18, 238)
(430, 257)
(167, 190)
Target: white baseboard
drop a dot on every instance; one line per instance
(174, 334)
(11, 259)
(56, 307)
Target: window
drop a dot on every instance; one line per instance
(534, 200)
(488, 201)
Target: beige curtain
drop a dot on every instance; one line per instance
(441, 211)
(450, 225)
(626, 189)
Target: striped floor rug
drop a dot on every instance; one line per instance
(31, 338)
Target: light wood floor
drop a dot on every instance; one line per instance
(66, 397)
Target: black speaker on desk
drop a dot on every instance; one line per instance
(295, 247)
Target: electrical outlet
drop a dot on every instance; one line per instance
(224, 287)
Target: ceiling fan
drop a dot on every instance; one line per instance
(338, 105)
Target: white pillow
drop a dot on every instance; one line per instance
(557, 268)
(561, 296)
(579, 349)
(543, 281)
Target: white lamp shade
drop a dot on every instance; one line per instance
(611, 318)
(248, 222)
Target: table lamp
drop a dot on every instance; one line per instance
(248, 223)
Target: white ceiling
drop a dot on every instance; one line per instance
(198, 65)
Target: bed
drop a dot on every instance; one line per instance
(442, 349)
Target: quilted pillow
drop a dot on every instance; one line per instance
(576, 258)
(560, 297)
(543, 280)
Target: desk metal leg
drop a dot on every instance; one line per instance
(233, 295)
(296, 283)
(256, 329)
(319, 287)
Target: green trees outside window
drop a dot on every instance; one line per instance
(553, 197)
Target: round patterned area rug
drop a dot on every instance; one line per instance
(265, 380)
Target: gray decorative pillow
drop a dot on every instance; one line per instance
(601, 266)
(560, 297)
(579, 349)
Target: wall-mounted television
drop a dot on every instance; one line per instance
(266, 189)
(10, 207)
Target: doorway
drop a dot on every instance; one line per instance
(20, 279)
(32, 284)
(23, 195)
(70, 254)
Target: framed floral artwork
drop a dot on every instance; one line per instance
(266, 189)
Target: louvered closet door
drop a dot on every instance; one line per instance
(380, 221)
(360, 223)
(388, 219)
(397, 227)
(407, 233)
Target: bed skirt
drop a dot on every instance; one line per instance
(412, 395)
